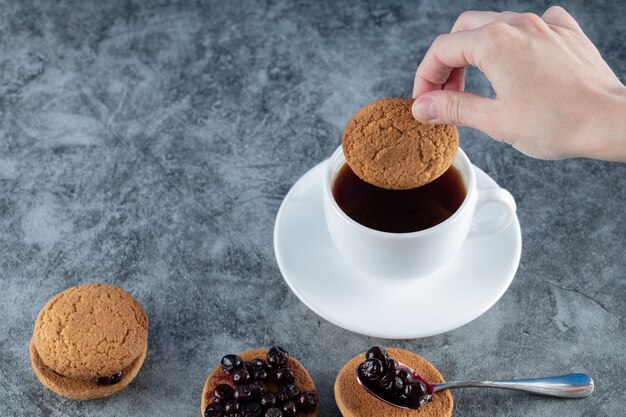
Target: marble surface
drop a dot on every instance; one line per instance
(149, 144)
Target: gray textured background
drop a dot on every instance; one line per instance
(150, 145)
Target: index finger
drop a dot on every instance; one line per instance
(448, 51)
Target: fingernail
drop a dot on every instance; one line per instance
(425, 109)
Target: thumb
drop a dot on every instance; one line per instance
(456, 108)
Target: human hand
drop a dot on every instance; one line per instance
(555, 95)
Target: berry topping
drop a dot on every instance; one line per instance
(110, 380)
(285, 376)
(242, 393)
(262, 388)
(213, 410)
(371, 369)
(289, 409)
(377, 352)
(230, 363)
(277, 357)
(273, 412)
(251, 410)
(393, 381)
(241, 376)
(268, 400)
(287, 393)
(307, 401)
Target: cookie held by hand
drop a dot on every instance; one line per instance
(89, 341)
(385, 146)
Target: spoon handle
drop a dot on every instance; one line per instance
(564, 386)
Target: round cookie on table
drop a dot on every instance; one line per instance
(354, 401)
(89, 341)
(259, 383)
(386, 147)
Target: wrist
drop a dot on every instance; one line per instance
(604, 135)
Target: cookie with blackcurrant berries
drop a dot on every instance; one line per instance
(354, 401)
(259, 383)
(89, 341)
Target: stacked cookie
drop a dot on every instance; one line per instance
(89, 341)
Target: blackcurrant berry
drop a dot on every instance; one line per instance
(241, 376)
(258, 388)
(287, 393)
(307, 401)
(231, 407)
(230, 362)
(273, 412)
(277, 357)
(251, 410)
(213, 410)
(371, 370)
(242, 393)
(222, 393)
(268, 400)
(285, 376)
(377, 352)
(289, 409)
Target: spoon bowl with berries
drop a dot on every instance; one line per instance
(400, 386)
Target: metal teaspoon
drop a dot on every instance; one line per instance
(563, 386)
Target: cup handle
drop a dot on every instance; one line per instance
(495, 195)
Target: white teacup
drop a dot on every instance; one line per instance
(402, 256)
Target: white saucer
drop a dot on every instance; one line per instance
(321, 279)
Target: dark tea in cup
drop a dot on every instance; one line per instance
(399, 211)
